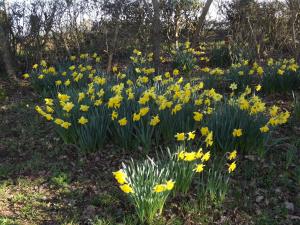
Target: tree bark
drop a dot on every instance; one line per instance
(201, 21)
(177, 21)
(156, 39)
(5, 46)
(112, 51)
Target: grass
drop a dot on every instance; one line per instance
(43, 181)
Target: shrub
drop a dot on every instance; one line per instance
(220, 56)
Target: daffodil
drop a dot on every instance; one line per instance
(82, 120)
(81, 96)
(258, 87)
(123, 121)
(63, 97)
(181, 155)
(189, 156)
(233, 86)
(198, 116)
(199, 154)
(49, 109)
(58, 121)
(68, 106)
(205, 157)
(120, 176)
(154, 121)
(170, 185)
(260, 71)
(191, 135)
(26, 75)
(209, 139)
(144, 111)
(65, 124)
(232, 167)
(264, 129)
(180, 136)
(49, 101)
(84, 108)
(114, 115)
(199, 168)
(175, 72)
(237, 132)
(204, 131)
(232, 155)
(48, 117)
(67, 82)
(159, 188)
(126, 188)
(58, 82)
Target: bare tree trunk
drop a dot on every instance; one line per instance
(112, 51)
(5, 46)
(201, 21)
(296, 52)
(177, 21)
(156, 39)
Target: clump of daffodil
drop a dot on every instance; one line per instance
(246, 122)
(186, 162)
(120, 176)
(142, 108)
(232, 165)
(148, 185)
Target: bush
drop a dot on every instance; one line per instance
(220, 57)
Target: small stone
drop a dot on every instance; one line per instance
(258, 211)
(259, 198)
(292, 217)
(277, 190)
(289, 206)
(90, 211)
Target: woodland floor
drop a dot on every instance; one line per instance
(43, 181)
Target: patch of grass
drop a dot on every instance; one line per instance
(265, 219)
(2, 94)
(296, 111)
(105, 199)
(61, 179)
(7, 221)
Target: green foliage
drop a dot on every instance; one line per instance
(184, 57)
(143, 178)
(213, 184)
(61, 179)
(2, 94)
(7, 221)
(239, 74)
(182, 171)
(226, 118)
(220, 56)
(296, 110)
(273, 82)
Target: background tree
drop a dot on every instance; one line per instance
(5, 48)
